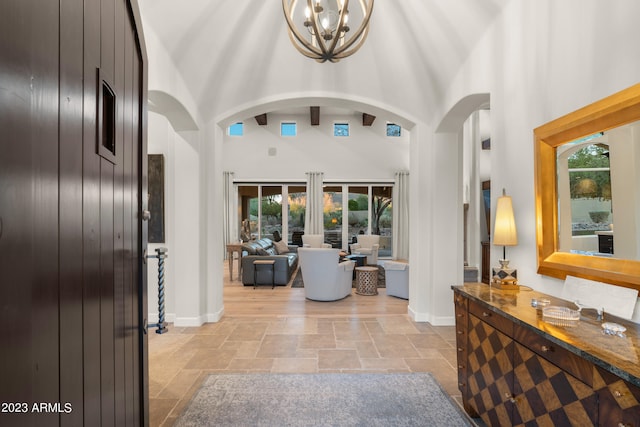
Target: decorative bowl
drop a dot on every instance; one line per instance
(560, 316)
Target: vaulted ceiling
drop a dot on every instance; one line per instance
(234, 53)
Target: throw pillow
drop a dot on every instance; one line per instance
(281, 247)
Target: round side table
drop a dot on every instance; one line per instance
(367, 280)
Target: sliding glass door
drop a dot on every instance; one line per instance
(249, 209)
(358, 212)
(382, 217)
(271, 212)
(265, 206)
(349, 210)
(332, 214)
(296, 207)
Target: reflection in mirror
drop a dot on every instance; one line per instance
(593, 183)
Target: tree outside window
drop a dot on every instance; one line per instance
(590, 189)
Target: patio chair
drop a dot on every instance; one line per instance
(367, 244)
(314, 241)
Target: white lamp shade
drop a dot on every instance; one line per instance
(504, 231)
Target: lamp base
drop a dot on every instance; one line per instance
(504, 277)
(505, 286)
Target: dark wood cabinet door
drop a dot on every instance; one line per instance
(510, 385)
(544, 394)
(619, 400)
(490, 373)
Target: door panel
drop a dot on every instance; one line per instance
(29, 287)
(120, 297)
(91, 219)
(71, 286)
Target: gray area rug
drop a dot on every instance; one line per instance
(322, 400)
(298, 282)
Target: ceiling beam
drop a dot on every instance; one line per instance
(262, 119)
(315, 115)
(367, 119)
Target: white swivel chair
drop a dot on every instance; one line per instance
(367, 244)
(314, 241)
(325, 279)
(396, 277)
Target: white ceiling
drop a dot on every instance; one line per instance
(234, 53)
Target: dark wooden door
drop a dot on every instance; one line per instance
(72, 286)
(29, 282)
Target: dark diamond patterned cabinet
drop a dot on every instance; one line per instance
(490, 373)
(511, 376)
(619, 400)
(544, 394)
(460, 303)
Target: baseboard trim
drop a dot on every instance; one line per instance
(190, 321)
(187, 321)
(153, 318)
(215, 317)
(417, 316)
(435, 321)
(444, 321)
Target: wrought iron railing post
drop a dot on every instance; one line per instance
(161, 254)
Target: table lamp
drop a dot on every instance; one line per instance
(505, 234)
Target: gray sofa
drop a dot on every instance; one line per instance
(264, 249)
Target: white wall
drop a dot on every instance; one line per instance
(187, 249)
(472, 157)
(193, 291)
(163, 75)
(484, 156)
(159, 137)
(541, 60)
(367, 153)
(183, 209)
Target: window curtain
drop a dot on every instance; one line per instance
(229, 214)
(401, 216)
(313, 215)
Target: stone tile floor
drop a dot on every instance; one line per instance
(264, 342)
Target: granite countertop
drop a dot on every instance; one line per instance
(605, 233)
(618, 355)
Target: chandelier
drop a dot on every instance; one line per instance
(327, 35)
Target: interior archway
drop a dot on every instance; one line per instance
(447, 228)
(288, 102)
(291, 101)
(162, 103)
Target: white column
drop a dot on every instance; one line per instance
(215, 251)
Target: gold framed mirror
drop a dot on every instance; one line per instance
(620, 109)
